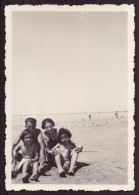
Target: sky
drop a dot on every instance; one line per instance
(69, 62)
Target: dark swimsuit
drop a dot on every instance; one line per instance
(51, 143)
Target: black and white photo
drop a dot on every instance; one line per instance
(69, 97)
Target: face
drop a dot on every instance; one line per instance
(28, 139)
(29, 126)
(48, 127)
(64, 138)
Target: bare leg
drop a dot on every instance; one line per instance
(35, 168)
(13, 169)
(34, 176)
(58, 163)
(43, 164)
(59, 166)
(14, 165)
(25, 169)
(43, 159)
(66, 165)
(74, 157)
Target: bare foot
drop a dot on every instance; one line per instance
(34, 177)
(43, 169)
(25, 178)
(14, 174)
(66, 165)
(62, 174)
(71, 172)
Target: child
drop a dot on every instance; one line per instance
(67, 151)
(30, 156)
(30, 123)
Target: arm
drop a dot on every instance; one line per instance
(55, 147)
(42, 146)
(46, 139)
(16, 149)
(15, 142)
(77, 149)
(54, 150)
(70, 140)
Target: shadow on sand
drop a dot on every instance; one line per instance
(79, 165)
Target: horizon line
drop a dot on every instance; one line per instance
(70, 113)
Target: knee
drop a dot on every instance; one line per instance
(27, 162)
(42, 158)
(42, 155)
(73, 152)
(57, 151)
(35, 163)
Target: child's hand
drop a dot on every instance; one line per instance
(29, 161)
(66, 165)
(78, 149)
(53, 152)
(50, 151)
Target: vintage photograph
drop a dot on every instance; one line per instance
(69, 97)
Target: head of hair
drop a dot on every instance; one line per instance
(32, 120)
(63, 131)
(26, 132)
(47, 120)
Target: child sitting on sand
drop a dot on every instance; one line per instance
(67, 152)
(50, 136)
(30, 123)
(30, 158)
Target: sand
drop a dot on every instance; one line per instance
(104, 157)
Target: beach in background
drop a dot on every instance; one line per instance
(104, 138)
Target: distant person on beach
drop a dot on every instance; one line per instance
(66, 153)
(30, 123)
(89, 117)
(30, 157)
(116, 114)
(50, 136)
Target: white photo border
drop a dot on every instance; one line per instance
(131, 92)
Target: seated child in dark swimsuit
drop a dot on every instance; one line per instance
(67, 152)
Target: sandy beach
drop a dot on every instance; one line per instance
(104, 157)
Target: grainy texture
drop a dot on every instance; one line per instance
(104, 157)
